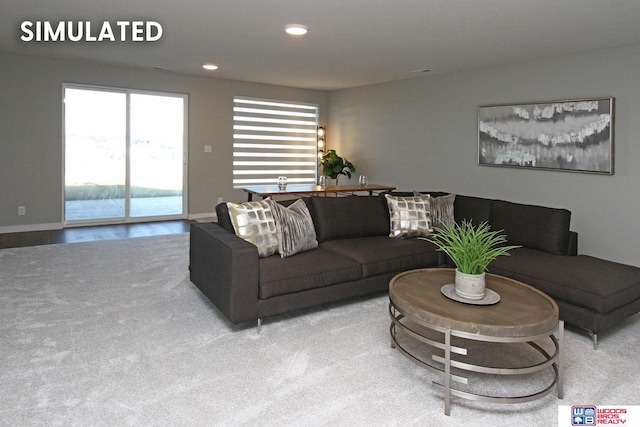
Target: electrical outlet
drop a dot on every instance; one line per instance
(22, 210)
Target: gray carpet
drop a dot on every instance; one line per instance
(114, 333)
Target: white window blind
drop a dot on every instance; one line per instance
(271, 139)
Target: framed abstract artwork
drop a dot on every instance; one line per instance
(574, 135)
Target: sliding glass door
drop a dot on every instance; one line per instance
(125, 155)
(95, 155)
(156, 155)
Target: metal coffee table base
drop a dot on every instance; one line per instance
(551, 361)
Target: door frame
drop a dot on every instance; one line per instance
(185, 156)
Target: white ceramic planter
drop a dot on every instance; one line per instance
(470, 286)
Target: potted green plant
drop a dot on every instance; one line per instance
(471, 248)
(333, 165)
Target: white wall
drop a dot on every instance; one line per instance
(31, 131)
(422, 134)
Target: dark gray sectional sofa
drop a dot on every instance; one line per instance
(356, 256)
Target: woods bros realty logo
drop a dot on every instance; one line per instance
(85, 31)
(592, 415)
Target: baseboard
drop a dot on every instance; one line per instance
(30, 227)
(208, 216)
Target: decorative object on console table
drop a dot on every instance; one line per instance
(471, 249)
(333, 165)
(575, 135)
(282, 183)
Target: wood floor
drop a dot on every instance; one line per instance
(87, 234)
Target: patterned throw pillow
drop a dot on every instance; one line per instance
(294, 228)
(253, 221)
(409, 216)
(441, 210)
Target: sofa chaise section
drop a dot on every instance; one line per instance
(592, 293)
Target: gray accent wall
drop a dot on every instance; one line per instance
(421, 134)
(31, 131)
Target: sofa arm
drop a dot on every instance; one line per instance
(225, 268)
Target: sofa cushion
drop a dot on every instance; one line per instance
(254, 222)
(294, 228)
(347, 217)
(382, 254)
(582, 280)
(409, 216)
(474, 209)
(534, 227)
(307, 270)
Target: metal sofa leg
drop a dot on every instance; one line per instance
(594, 337)
(259, 324)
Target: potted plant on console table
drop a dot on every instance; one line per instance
(471, 249)
(333, 165)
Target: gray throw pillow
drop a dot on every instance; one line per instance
(441, 209)
(294, 228)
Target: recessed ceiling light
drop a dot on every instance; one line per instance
(210, 67)
(296, 29)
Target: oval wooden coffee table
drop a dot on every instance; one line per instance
(523, 315)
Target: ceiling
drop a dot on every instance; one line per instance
(350, 42)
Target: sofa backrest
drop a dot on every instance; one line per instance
(349, 217)
(534, 227)
(474, 209)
